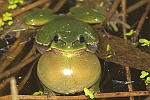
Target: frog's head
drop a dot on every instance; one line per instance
(67, 34)
(68, 41)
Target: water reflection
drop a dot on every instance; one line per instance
(121, 82)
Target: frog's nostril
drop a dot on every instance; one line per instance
(64, 43)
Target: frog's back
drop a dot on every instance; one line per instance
(67, 26)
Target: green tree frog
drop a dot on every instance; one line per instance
(67, 65)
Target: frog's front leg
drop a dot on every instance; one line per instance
(40, 17)
(48, 92)
(87, 15)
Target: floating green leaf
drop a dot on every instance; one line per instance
(108, 48)
(13, 3)
(12, 6)
(144, 74)
(101, 4)
(145, 42)
(89, 93)
(7, 16)
(10, 22)
(38, 93)
(130, 33)
(147, 81)
(108, 56)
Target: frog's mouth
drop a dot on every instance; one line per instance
(68, 53)
(41, 48)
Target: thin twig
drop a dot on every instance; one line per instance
(4, 83)
(101, 95)
(9, 30)
(122, 94)
(138, 29)
(112, 11)
(28, 7)
(59, 5)
(13, 88)
(46, 5)
(31, 52)
(128, 75)
(136, 6)
(124, 18)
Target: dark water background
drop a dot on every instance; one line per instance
(113, 76)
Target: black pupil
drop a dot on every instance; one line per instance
(56, 38)
(81, 39)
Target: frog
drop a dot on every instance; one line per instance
(89, 16)
(67, 64)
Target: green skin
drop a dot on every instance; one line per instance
(69, 73)
(87, 15)
(69, 31)
(66, 39)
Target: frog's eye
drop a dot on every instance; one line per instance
(81, 39)
(56, 38)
